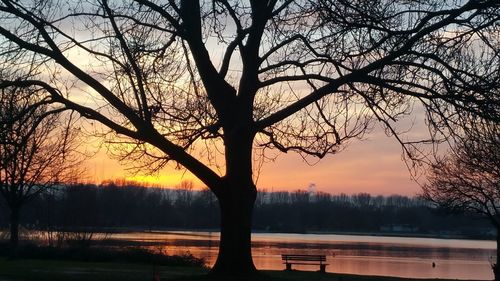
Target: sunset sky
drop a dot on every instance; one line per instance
(373, 165)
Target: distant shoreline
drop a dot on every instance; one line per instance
(406, 235)
(378, 234)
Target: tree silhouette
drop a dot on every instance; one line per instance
(469, 178)
(37, 150)
(189, 81)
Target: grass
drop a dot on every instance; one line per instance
(57, 270)
(133, 255)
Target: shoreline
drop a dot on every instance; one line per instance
(406, 235)
(216, 230)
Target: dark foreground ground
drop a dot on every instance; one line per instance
(56, 270)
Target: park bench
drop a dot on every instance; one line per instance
(320, 260)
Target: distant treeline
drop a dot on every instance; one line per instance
(115, 204)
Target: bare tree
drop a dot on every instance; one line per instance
(37, 150)
(468, 179)
(208, 83)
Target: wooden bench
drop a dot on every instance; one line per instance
(320, 260)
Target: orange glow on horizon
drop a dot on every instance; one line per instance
(373, 166)
(166, 180)
(102, 168)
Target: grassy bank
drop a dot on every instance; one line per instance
(56, 270)
(95, 253)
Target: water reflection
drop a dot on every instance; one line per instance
(370, 255)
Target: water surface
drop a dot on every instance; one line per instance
(368, 255)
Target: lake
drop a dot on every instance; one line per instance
(368, 255)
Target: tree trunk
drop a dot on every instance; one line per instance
(235, 249)
(14, 226)
(236, 200)
(496, 265)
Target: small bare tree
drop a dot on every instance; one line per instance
(37, 149)
(468, 179)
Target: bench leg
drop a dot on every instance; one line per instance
(288, 266)
(322, 268)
